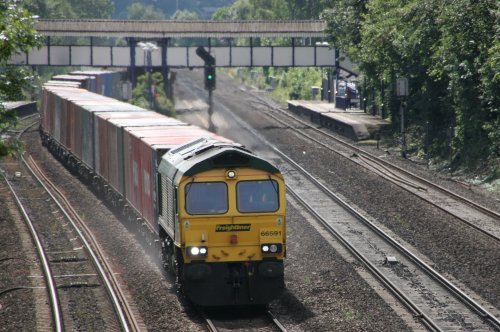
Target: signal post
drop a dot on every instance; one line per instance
(209, 78)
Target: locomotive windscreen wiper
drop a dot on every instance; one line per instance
(272, 184)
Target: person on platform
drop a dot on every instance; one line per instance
(347, 98)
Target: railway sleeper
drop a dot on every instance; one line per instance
(79, 284)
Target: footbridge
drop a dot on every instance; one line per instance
(119, 43)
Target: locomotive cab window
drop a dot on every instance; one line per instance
(257, 196)
(206, 198)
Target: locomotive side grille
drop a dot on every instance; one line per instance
(163, 192)
(169, 191)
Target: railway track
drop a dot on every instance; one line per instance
(258, 321)
(53, 297)
(389, 256)
(22, 124)
(83, 290)
(430, 297)
(482, 219)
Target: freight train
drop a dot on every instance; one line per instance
(216, 209)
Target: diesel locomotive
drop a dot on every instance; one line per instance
(216, 210)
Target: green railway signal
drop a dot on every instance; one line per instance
(209, 67)
(209, 77)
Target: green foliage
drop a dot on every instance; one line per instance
(288, 83)
(224, 13)
(490, 86)
(92, 8)
(17, 34)
(14, 81)
(50, 8)
(139, 11)
(203, 8)
(297, 82)
(254, 10)
(7, 119)
(269, 10)
(185, 15)
(344, 23)
(70, 8)
(449, 52)
(141, 94)
(460, 53)
(17, 30)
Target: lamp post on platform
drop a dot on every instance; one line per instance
(148, 48)
(402, 92)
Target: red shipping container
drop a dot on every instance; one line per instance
(140, 168)
(57, 115)
(109, 147)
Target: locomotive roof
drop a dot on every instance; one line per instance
(206, 153)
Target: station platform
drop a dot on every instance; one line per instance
(352, 123)
(22, 108)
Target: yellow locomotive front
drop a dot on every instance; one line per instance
(226, 237)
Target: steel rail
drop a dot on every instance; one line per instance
(459, 294)
(123, 317)
(117, 303)
(275, 321)
(481, 312)
(210, 325)
(458, 197)
(399, 295)
(367, 156)
(408, 303)
(472, 204)
(47, 271)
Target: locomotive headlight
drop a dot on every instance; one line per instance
(197, 251)
(271, 248)
(231, 174)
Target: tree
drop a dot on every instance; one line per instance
(254, 10)
(17, 34)
(92, 8)
(344, 22)
(185, 15)
(70, 9)
(309, 9)
(50, 8)
(138, 11)
(141, 94)
(467, 31)
(490, 87)
(449, 52)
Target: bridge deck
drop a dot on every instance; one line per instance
(181, 29)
